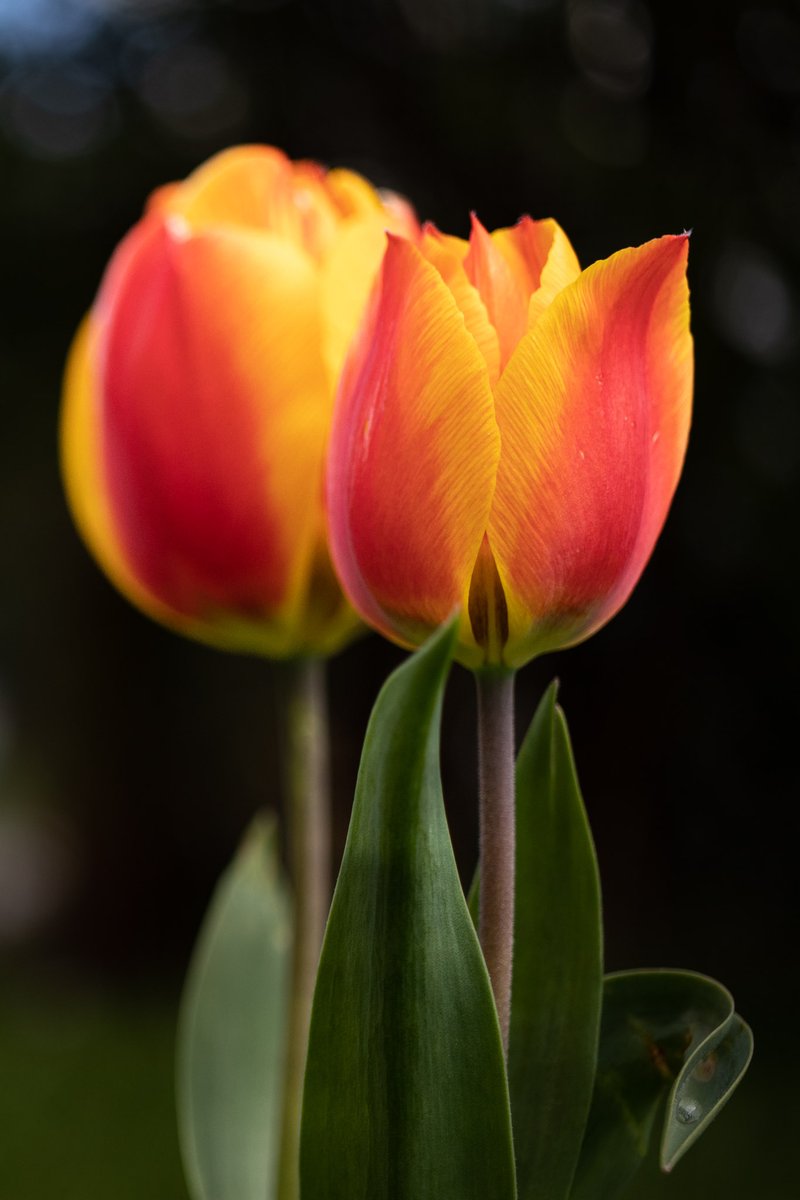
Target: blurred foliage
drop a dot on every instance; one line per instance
(86, 1106)
(87, 1109)
(130, 760)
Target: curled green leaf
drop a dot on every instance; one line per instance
(664, 1033)
(713, 1066)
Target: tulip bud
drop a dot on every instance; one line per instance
(198, 398)
(508, 437)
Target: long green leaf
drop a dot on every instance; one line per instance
(405, 1093)
(557, 981)
(664, 1033)
(231, 1029)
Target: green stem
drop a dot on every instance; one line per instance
(497, 853)
(308, 831)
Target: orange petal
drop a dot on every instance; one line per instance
(82, 469)
(594, 411)
(314, 207)
(504, 292)
(320, 624)
(257, 188)
(245, 185)
(214, 412)
(413, 454)
(347, 274)
(559, 268)
(356, 198)
(352, 194)
(518, 271)
(351, 261)
(448, 255)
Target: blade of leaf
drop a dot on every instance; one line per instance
(405, 1093)
(231, 1029)
(662, 1032)
(557, 982)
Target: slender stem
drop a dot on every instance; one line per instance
(308, 830)
(496, 781)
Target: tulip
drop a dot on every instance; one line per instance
(508, 436)
(507, 439)
(198, 398)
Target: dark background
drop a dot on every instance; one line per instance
(131, 760)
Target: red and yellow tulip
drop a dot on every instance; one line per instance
(508, 436)
(199, 391)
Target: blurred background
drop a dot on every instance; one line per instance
(131, 760)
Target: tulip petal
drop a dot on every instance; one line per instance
(504, 290)
(413, 456)
(594, 411)
(352, 194)
(244, 185)
(448, 255)
(356, 198)
(560, 267)
(81, 466)
(517, 272)
(192, 325)
(347, 274)
(256, 188)
(350, 264)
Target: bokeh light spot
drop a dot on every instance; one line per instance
(612, 42)
(753, 307)
(191, 88)
(58, 111)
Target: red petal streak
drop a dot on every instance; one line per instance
(413, 453)
(594, 413)
(213, 418)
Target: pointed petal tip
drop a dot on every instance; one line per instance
(398, 241)
(671, 250)
(679, 241)
(476, 225)
(399, 254)
(397, 247)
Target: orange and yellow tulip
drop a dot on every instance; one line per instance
(199, 391)
(508, 436)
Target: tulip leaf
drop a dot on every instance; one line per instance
(231, 1029)
(670, 1034)
(405, 1093)
(557, 972)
